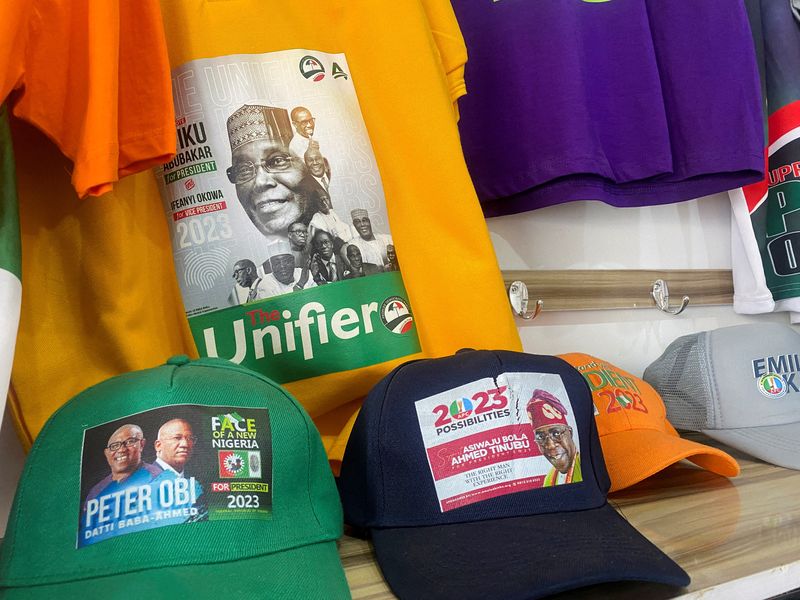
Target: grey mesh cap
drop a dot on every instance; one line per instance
(739, 385)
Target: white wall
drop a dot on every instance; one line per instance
(580, 235)
(593, 235)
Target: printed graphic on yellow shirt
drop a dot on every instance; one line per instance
(278, 219)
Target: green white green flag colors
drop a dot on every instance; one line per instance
(10, 264)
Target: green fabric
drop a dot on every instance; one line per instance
(9, 211)
(40, 544)
(311, 573)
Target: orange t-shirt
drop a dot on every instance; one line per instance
(93, 75)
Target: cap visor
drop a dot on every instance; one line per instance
(634, 455)
(776, 444)
(313, 572)
(519, 557)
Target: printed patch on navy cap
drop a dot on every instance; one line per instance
(174, 465)
(493, 437)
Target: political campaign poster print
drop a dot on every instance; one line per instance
(278, 219)
(498, 436)
(174, 465)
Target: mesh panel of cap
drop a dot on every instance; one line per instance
(681, 377)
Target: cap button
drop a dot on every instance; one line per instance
(179, 360)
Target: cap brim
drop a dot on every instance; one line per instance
(636, 454)
(776, 444)
(313, 572)
(519, 557)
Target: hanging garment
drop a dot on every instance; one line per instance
(630, 102)
(765, 230)
(10, 268)
(92, 76)
(379, 82)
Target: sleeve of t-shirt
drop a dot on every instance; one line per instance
(146, 113)
(14, 18)
(78, 57)
(449, 44)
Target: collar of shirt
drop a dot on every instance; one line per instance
(167, 467)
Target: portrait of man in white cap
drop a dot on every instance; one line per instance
(266, 173)
(373, 246)
(285, 275)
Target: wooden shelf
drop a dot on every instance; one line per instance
(737, 538)
(601, 289)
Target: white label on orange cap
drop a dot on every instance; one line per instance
(493, 437)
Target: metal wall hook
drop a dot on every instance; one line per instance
(660, 294)
(518, 296)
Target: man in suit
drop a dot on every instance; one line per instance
(318, 166)
(247, 280)
(329, 267)
(174, 446)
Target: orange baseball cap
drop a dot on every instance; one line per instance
(636, 437)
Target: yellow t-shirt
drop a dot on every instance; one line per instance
(377, 82)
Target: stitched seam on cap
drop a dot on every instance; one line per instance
(712, 379)
(18, 583)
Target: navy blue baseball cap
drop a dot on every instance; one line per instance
(480, 475)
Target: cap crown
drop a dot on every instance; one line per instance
(730, 378)
(386, 480)
(623, 402)
(40, 543)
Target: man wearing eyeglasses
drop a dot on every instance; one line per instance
(266, 173)
(304, 124)
(247, 280)
(299, 242)
(174, 446)
(124, 456)
(553, 436)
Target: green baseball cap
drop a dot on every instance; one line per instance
(198, 478)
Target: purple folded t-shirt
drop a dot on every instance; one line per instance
(632, 102)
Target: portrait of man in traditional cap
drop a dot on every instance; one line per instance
(285, 274)
(372, 245)
(266, 173)
(553, 437)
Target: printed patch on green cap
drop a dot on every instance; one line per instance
(174, 465)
